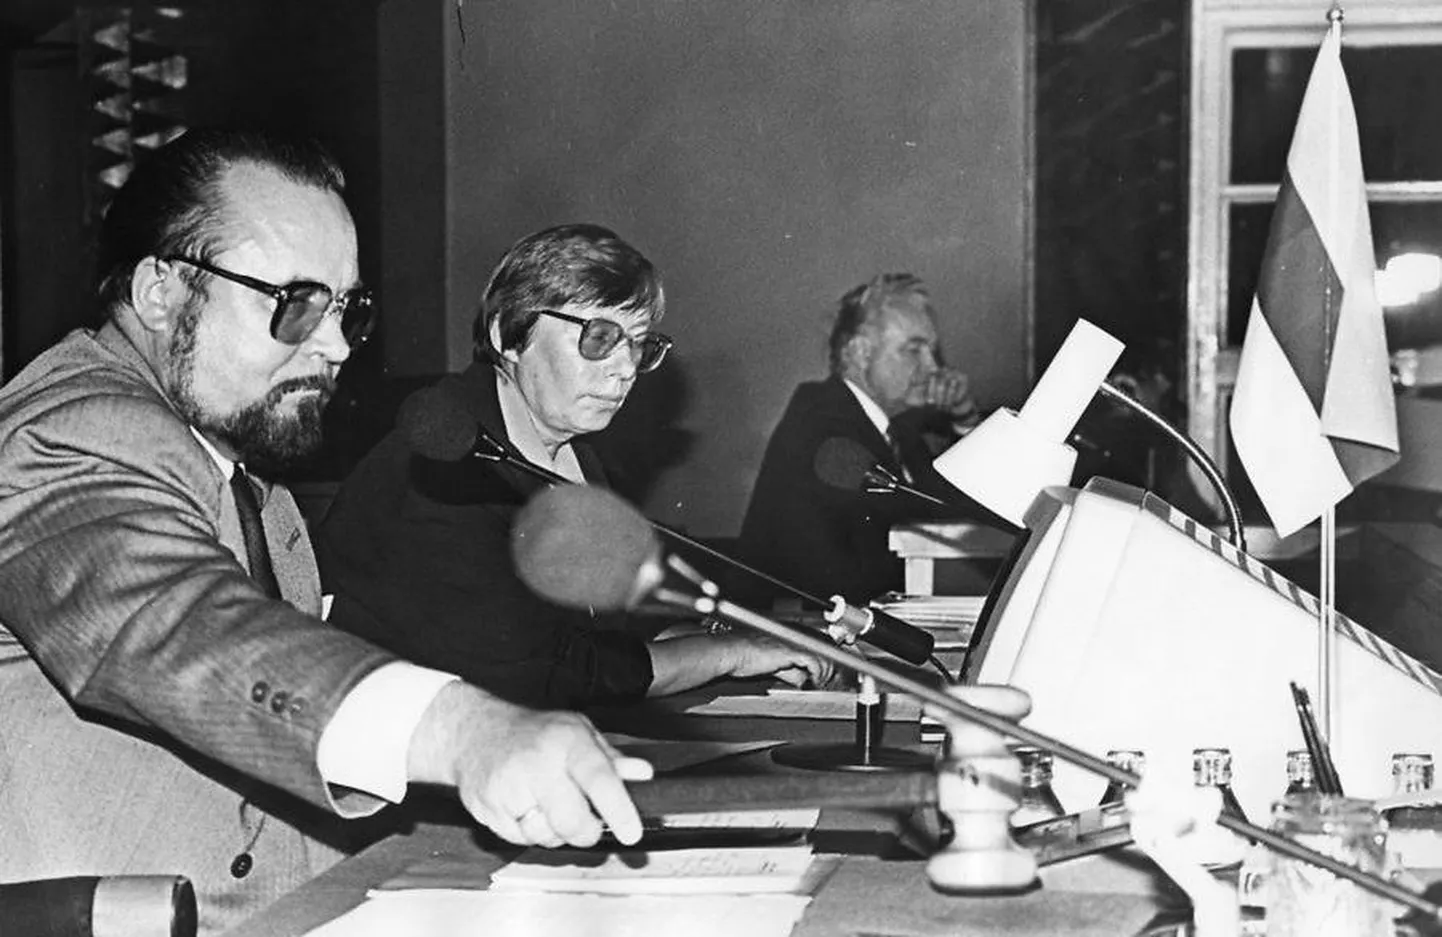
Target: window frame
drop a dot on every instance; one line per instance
(1218, 29)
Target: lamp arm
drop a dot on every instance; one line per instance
(1198, 455)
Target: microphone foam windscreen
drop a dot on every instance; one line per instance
(843, 463)
(437, 425)
(582, 547)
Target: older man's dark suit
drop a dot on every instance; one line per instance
(821, 538)
(417, 553)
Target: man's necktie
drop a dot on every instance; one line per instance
(904, 473)
(257, 554)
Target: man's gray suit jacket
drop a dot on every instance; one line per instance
(145, 680)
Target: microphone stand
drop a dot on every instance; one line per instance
(865, 753)
(710, 602)
(845, 620)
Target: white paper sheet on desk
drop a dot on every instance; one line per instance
(519, 914)
(674, 754)
(740, 870)
(803, 704)
(953, 610)
(800, 818)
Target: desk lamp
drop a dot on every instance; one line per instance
(1013, 455)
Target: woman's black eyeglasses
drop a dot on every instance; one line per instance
(302, 305)
(599, 337)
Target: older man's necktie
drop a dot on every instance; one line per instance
(257, 554)
(903, 472)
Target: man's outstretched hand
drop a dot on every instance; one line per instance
(534, 778)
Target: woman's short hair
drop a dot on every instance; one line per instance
(173, 204)
(575, 264)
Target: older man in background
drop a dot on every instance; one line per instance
(888, 398)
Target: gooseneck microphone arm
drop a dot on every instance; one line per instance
(909, 643)
(710, 602)
(499, 454)
(1197, 454)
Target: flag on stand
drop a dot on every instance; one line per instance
(1313, 414)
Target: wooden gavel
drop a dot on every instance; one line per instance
(975, 786)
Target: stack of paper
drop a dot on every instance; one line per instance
(528, 914)
(780, 703)
(745, 870)
(957, 612)
(801, 818)
(758, 892)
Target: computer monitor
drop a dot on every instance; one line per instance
(1134, 626)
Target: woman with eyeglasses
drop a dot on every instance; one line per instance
(416, 546)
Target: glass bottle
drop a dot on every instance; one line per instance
(1300, 774)
(1305, 901)
(1411, 772)
(1220, 848)
(1038, 800)
(1212, 767)
(1128, 759)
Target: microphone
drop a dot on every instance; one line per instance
(439, 426)
(846, 464)
(585, 547)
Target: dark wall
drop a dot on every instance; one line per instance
(1111, 219)
(768, 157)
(1111, 171)
(307, 68)
(43, 274)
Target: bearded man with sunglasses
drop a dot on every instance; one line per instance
(170, 699)
(417, 549)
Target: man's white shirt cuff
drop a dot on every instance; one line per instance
(367, 743)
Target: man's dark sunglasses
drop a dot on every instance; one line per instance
(302, 305)
(599, 337)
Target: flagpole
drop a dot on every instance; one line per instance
(1327, 556)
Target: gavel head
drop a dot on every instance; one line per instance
(978, 789)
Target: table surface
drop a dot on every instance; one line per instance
(878, 888)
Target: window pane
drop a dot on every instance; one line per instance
(1412, 300)
(1397, 93)
(1248, 240)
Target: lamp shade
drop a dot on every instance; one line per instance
(1004, 464)
(1006, 461)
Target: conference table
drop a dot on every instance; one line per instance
(872, 872)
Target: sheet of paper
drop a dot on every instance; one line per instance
(672, 755)
(804, 818)
(457, 872)
(954, 610)
(466, 914)
(804, 704)
(677, 871)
